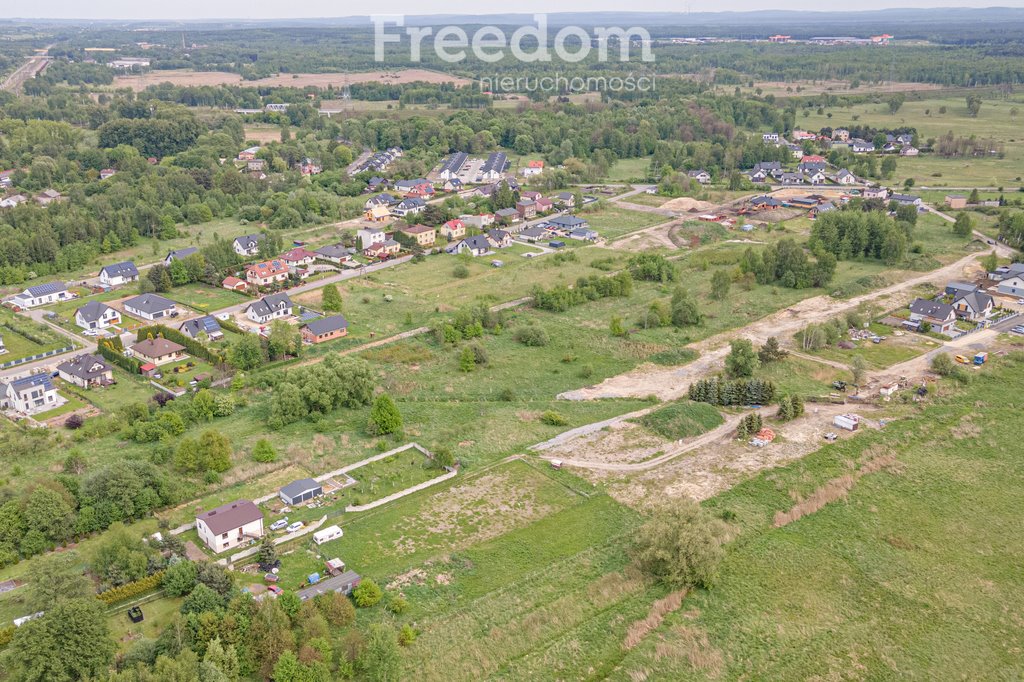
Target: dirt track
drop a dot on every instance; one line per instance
(671, 383)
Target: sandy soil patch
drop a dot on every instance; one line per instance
(687, 204)
(299, 80)
(619, 442)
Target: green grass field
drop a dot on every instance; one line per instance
(205, 298)
(890, 352)
(625, 170)
(612, 222)
(682, 419)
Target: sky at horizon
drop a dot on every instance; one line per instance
(270, 9)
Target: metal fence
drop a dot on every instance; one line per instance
(37, 356)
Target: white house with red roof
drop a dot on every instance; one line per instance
(533, 168)
(266, 272)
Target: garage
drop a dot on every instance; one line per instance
(300, 491)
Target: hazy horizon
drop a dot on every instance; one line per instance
(185, 10)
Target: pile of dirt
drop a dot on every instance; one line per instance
(687, 204)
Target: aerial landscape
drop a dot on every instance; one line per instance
(621, 344)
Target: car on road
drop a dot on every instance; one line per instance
(279, 524)
(1017, 330)
(294, 527)
(1020, 301)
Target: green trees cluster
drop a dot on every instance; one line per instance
(742, 360)
(316, 390)
(771, 351)
(561, 298)
(787, 264)
(851, 235)
(717, 391)
(384, 416)
(652, 267)
(749, 425)
(790, 407)
(211, 452)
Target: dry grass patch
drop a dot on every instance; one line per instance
(691, 644)
(659, 609)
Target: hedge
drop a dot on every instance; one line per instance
(191, 345)
(129, 590)
(113, 350)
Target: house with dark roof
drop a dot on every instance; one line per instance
(333, 253)
(230, 525)
(906, 200)
(477, 245)
(158, 351)
(494, 167)
(86, 370)
(207, 324)
(119, 273)
(42, 294)
(179, 254)
(959, 288)
(325, 329)
(408, 206)
(452, 166)
(700, 175)
(384, 200)
(29, 395)
(939, 316)
(272, 307)
(975, 306)
(302, 490)
(499, 239)
(247, 245)
(1010, 278)
(344, 583)
(568, 222)
(150, 306)
(508, 215)
(96, 315)
(845, 177)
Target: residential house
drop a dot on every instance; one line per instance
(568, 223)
(86, 370)
(822, 208)
(325, 329)
(208, 325)
(180, 254)
(230, 525)
(700, 175)
(792, 179)
(841, 134)
(499, 239)
(452, 166)
(530, 194)
(769, 168)
(796, 150)
(42, 294)
(272, 307)
(384, 199)
(906, 200)
(119, 273)
(248, 245)
(29, 395)
(425, 236)
(758, 175)
(150, 307)
(452, 185)
(383, 250)
(526, 208)
(811, 163)
(959, 288)
(478, 221)
(845, 177)
(815, 177)
(583, 234)
(939, 316)
(772, 138)
(494, 167)
(13, 200)
(875, 193)
(308, 166)
(507, 215)
(544, 205)
(476, 245)
(368, 236)
(417, 187)
(408, 207)
(107, 173)
(455, 229)
(801, 135)
(255, 165)
(956, 201)
(1011, 280)
(375, 183)
(298, 257)
(233, 283)
(96, 315)
(565, 199)
(975, 306)
(859, 146)
(377, 214)
(533, 168)
(334, 253)
(909, 150)
(47, 197)
(159, 351)
(533, 234)
(764, 202)
(248, 154)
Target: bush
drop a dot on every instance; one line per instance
(406, 635)
(460, 271)
(384, 416)
(397, 605)
(263, 451)
(531, 336)
(367, 594)
(552, 418)
(681, 545)
(74, 422)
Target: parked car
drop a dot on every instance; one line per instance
(279, 524)
(274, 590)
(294, 527)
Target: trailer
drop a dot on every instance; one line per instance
(327, 534)
(850, 422)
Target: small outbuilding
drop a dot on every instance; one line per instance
(300, 491)
(327, 534)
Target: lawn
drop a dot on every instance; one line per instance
(612, 222)
(387, 476)
(892, 351)
(800, 376)
(185, 374)
(682, 419)
(157, 614)
(916, 570)
(625, 170)
(72, 403)
(18, 344)
(206, 298)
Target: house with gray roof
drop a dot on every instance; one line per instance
(334, 253)
(476, 245)
(975, 306)
(207, 324)
(179, 254)
(939, 316)
(299, 491)
(248, 245)
(325, 329)
(272, 307)
(42, 294)
(30, 395)
(150, 307)
(86, 370)
(96, 315)
(119, 273)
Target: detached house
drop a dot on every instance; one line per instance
(207, 324)
(48, 196)
(424, 236)
(368, 236)
(383, 250)
(377, 214)
(29, 395)
(119, 273)
(273, 307)
(526, 208)
(150, 307)
(1011, 280)
(267, 272)
(974, 306)
(476, 245)
(230, 525)
(248, 245)
(96, 315)
(159, 351)
(701, 176)
(380, 200)
(939, 316)
(310, 166)
(180, 254)
(499, 239)
(454, 229)
(906, 200)
(408, 206)
(42, 294)
(334, 253)
(845, 177)
(248, 154)
(325, 329)
(86, 371)
(533, 168)
(298, 257)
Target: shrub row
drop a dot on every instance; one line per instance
(133, 589)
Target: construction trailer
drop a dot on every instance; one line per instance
(850, 422)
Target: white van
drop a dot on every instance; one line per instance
(327, 534)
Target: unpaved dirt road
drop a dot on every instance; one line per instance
(672, 382)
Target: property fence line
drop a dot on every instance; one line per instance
(37, 356)
(305, 530)
(401, 493)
